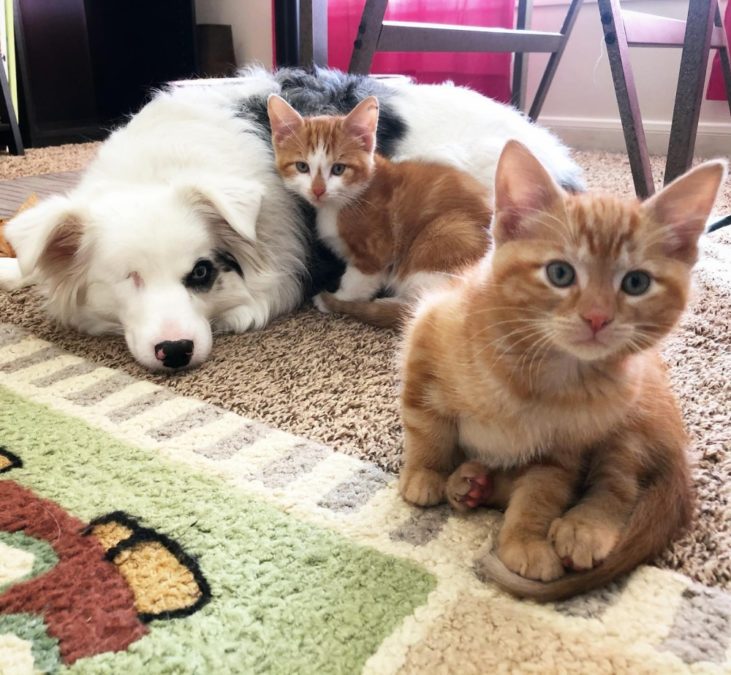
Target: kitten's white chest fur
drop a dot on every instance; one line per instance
(516, 434)
(327, 229)
(497, 446)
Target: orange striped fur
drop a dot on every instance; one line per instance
(552, 401)
(398, 225)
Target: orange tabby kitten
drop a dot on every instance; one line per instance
(539, 367)
(398, 226)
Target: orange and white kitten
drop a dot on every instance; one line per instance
(398, 226)
(534, 383)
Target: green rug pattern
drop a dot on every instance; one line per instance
(313, 563)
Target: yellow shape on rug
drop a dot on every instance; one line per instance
(159, 581)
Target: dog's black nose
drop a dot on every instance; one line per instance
(174, 353)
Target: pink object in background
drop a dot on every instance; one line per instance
(716, 89)
(486, 73)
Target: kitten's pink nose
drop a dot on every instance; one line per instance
(318, 190)
(597, 319)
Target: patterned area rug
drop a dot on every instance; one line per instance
(146, 532)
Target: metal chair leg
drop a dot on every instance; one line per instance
(725, 59)
(624, 85)
(520, 60)
(691, 80)
(554, 60)
(369, 31)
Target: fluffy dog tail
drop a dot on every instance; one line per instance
(382, 312)
(662, 510)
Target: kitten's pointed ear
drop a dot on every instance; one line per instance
(523, 189)
(682, 208)
(284, 119)
(362, 121)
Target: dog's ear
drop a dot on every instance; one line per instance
(237, 204)
(47, 237)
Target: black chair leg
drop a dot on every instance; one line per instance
(554, 60)
(517, 98)
(624, 85)
(691, 80)
(366, 41)
(725, 59)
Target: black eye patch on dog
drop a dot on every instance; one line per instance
(201, 277)
(228, 263)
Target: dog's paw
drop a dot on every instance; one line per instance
(319, 302)
(469, 486)
(532, 558)
(236, 320)
(422, 487)
(581, 543)
(10, 275)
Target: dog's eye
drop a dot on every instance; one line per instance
(201, 271)
(302, 167)
(200, 278)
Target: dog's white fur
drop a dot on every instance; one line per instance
(187, 177)
(165, 191)
(461, 127)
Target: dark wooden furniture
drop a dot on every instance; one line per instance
(313, 32)
(84, 65)
(9, 130)
(375, 34)
(300, 30)
(702, 32)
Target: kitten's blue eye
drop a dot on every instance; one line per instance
(636, 282)
(302, 167)
(560, 273)
(337, 169)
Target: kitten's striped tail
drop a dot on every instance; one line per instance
(662, 511)
(381, 312)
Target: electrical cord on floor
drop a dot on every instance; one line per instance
(726, 220)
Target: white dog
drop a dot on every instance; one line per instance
(181, 225)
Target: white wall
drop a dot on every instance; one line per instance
(251, 24)
(581, 105)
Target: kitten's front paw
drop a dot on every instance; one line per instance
(532, 558)
(422, 487)
(469, 486)
(582, 543)
(319, 302)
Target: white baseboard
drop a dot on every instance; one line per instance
(594, 133)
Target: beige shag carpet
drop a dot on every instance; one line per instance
(334, 380)
(36, 161)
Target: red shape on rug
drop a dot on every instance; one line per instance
(84, 600)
